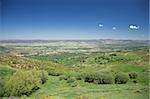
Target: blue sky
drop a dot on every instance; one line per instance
(74, 19)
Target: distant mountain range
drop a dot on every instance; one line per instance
(91, 40)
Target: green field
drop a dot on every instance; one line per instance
(54, 87)
(74, 70)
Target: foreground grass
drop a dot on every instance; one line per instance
(5, 70)
(61, 89)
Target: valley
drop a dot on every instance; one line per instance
(74, 69)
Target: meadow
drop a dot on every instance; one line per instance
(96, 69)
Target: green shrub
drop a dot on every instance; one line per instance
(134, 81)
(98, 78)
(132, 75)
(107, 79)
(103, 79)
(44, 76)
(80, 76)
(63, 77)
(54, 72)
(74, 84)
(89, 77)
(121, 78)
(71, 80)
(22, 83)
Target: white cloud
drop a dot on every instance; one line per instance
(114, 28)
(134, 27)
(100, 25)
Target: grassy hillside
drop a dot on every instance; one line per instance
(84, 73)
(61, 89)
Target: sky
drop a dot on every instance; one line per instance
(74, 19)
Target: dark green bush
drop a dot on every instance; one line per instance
(133, 75)
(107, 79)
(98, 78)
(103, 79)
(89, 77)
(121, 78)
(134, 81)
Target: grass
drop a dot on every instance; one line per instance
(53, 87)
(56, 89)
(5, 70)
(128, 68)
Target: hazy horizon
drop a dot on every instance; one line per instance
(68, 39)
